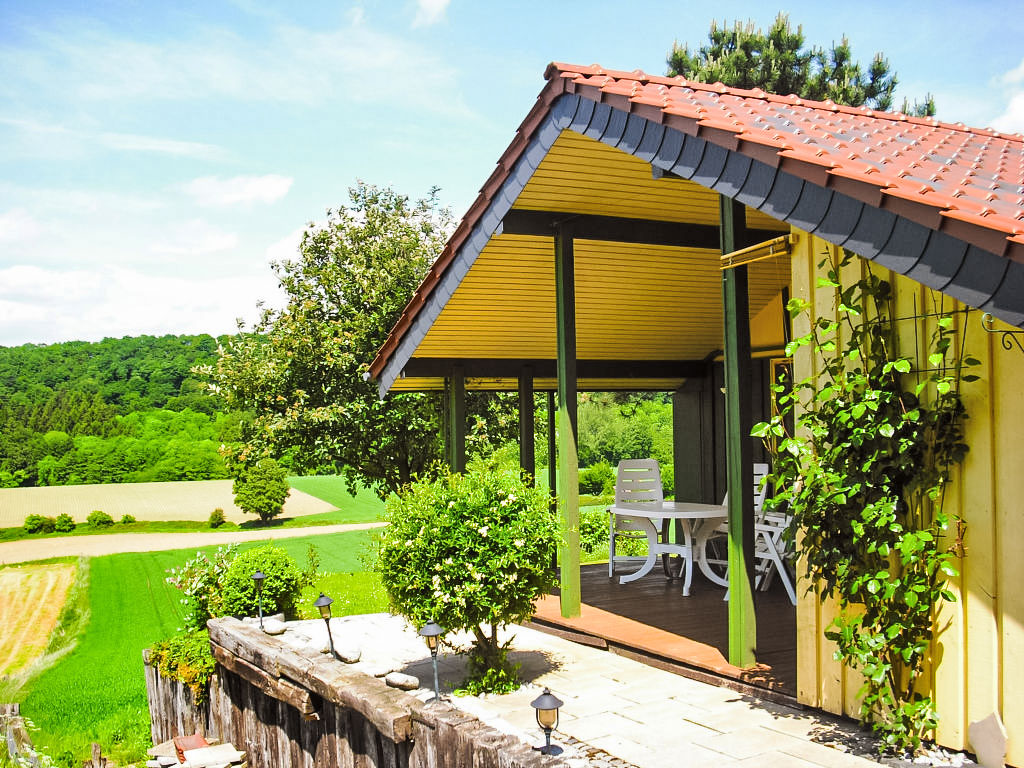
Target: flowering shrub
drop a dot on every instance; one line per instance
(202, 581)
(473, 552)
(281, 587)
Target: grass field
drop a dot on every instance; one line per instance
(25, 634)
(97, 692)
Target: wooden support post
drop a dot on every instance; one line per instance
(552, 465)
(739, 461)
(552, 454)
(568, 461)
(457, 421)
(527, 453)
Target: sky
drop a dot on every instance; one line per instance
(156, 158)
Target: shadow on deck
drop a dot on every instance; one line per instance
(650, 620)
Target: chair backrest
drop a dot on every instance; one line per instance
(638, 481)
(760, 489)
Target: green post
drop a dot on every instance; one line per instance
(739, 454)
(527, 457)
(457, 421)
(568, 462)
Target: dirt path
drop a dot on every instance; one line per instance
(112, 543)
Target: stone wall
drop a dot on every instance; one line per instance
(287, 708)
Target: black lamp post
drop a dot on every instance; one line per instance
(323, 603)
(432, 632)
(258, 577)
(547, 718)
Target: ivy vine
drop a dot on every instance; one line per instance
(863, 450)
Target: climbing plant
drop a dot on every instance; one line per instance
(863, 450)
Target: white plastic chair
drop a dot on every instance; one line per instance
(771, 547)
(637, 481)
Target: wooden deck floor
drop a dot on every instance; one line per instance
(651, 617)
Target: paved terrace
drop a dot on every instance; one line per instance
(621, 712)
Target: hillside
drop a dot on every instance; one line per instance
(119, 410)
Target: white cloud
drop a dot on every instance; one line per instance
(17, 224)
(295, 65)
(213, 190)
(1012, 118)
(195, 238)
(130, 142)
(43, 306)
(1015, 75)
(429, 12)
(285, 249)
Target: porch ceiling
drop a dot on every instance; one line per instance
(634, 302)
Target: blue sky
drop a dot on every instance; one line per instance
(156, 157)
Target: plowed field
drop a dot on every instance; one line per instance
(31, 597)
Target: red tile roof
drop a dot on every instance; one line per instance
(946, 176)
(967, 182)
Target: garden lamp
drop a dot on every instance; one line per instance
(432, 632)
(323, 603)
(547, 718)
(258, 577)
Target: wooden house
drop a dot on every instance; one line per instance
(592, 259)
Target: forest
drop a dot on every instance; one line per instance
(132, 410)
(118, 410)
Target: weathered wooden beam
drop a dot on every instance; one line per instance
(739, 462)
(617, 229)
(275, 687)
(387, 709)
(568, 462)
(506, 368)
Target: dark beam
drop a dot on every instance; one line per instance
(527, 458)
(457, 421)
(739, 453)
(502, 368)
(617, 229)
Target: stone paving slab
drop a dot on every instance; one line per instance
(644, 717)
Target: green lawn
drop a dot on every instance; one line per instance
(98, 692)
(364, 507)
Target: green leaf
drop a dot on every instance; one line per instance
(935, 359)
(902, 365)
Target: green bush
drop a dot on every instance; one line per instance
(473, 552)
(127, 519)
(281, 588)
(98, 519)
(598, 478)
(39, 524)
(217, 518)
(186, 657)
(261, 489)
(64, 523)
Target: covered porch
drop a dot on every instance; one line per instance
(601, 275)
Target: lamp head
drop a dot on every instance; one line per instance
(547, 709)
(258, 577)
(432, 632)
(323, 604)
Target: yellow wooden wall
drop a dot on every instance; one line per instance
(978, 655)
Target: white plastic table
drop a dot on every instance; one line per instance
(698, 523)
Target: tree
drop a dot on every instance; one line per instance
(299, 373)
(261, 489)
(776, 61)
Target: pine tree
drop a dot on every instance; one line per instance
(777, 61)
